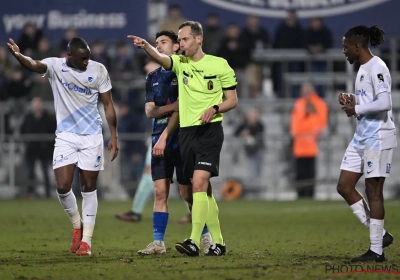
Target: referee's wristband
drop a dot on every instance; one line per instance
(216, 108)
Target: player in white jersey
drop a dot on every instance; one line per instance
(77, 82)
(371, 149)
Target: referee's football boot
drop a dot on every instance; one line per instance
(188, 247)
(216, 250)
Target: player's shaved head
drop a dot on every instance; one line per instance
(77, 43)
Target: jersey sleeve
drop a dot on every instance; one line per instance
(228, 77)
(176, 63)
(149, 89)
(50, 62)
(104, 80)
(381, 80)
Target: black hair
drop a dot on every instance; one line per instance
(174, 7)
(170, 34)
(195, 26)
(372, 34)
(77, 43)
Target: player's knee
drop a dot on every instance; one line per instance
(373, 192)
(89, 187)
(63, 187)
(160, 195)
(343, 189)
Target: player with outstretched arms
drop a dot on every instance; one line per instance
(370, 151)
(77, 82)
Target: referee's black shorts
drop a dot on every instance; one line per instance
(200, 148)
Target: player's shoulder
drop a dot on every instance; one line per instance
(54, 60)
(153, 73)
(94, 65)
(379, 66)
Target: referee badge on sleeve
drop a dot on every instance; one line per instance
(210, 85)
(185, 80)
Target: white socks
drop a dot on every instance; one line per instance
(361, 210)
(89, 212)
(68, 202)
(375, 235)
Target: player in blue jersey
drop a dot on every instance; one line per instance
(161, 102)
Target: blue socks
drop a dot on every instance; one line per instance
(145, 189)
(205, 230)
(160, 221)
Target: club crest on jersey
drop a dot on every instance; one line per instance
(185, 80)
(361, 78)
(210, 85)
(90, 79)
(174, 81)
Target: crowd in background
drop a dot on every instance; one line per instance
(235, 43)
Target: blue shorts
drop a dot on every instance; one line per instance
(163, 167)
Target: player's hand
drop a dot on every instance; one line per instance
(207, 116)
(159, 147)
(14, 49)
(113, 147)
(138, 42)
(345, 98)
(175, 106)
(350, 108)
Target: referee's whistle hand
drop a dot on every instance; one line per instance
(207, 116)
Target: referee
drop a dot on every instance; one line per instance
(202, 80)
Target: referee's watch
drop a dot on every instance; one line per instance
(216, 108)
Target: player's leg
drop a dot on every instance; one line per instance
(162, 171)
(64, 159)
(90, 162)
(88, 183)
(142, 194)
(377, 168)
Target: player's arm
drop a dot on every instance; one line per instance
(162, 59)
(173, 123)
(111, 117)
(381, 81)
(153, 111)
(26, 61)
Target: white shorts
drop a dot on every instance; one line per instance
(372, 164)
(86, 151)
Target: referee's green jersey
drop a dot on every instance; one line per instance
(201, 86)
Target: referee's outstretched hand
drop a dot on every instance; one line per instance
(207, 116)
(138, 42)
(159, 147)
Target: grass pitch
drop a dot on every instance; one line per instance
(265, 240)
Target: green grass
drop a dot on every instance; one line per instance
(265, 240)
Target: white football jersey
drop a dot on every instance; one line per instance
(76, 93)
(374, 131)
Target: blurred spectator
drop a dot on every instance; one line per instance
(213, 34)
(232, 49)
(251, 131)
(309, 118)
(44, 50)
(253, 36)
(289, 35)
(122, 66)
(29, 39)
(174, 18)
(38, 121)
(17, 87)
(68, 35)
(98, 54)
(6, 66)
(318, 39)
(41, 88)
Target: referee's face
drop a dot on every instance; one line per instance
(188, 44)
